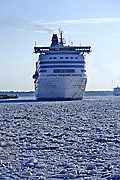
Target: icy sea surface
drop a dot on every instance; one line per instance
(60, 140)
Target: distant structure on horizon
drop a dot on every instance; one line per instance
(6, 96)
(116, 91)
(60, 71)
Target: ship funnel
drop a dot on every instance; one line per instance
(54, 40)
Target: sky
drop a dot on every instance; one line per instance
(95, 23)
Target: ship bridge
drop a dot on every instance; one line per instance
(58, 49)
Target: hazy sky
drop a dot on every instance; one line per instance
(86, 22)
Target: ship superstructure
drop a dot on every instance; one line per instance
(60, 71)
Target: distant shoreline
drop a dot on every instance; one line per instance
(98, 93)
(32, 93)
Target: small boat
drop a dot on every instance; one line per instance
(116, 91)
(5, 96)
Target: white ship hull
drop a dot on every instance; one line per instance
(60, 88)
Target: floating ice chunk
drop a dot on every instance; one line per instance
(26, 174)
(42, 166)
(29, 163)
(92, 172)
(68, 175)
(90, 167)
(106, 175)
(62, 172)
(107, 168)
(42, 178)
(115, 177)
(74, 172)
(65, 174)
(3, 144)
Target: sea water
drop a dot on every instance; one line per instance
(60, 140)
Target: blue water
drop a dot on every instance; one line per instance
(60, 140)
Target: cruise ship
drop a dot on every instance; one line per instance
(60, 70)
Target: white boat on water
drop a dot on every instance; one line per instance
(116, 91)
(60, 71)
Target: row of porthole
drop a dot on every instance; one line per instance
(52, 75)
(63, 57)
(62, 62)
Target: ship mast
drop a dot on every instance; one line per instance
(61, 38)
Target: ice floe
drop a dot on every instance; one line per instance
(60, 140)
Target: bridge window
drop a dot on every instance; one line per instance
(63, 70)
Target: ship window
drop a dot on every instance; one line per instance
(76, 57)
(71, 57)
(64, 74)
(51, 74)
(63, 70)
(43, 71)
(54, 58)
(61, 57)
(50, 57)
(66, 57)
(83, 70)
